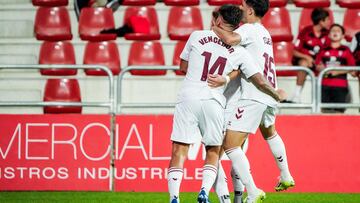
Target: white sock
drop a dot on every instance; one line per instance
(277, 148)
(238, 187)
(174, 180)
(297, 94)
(245, 146)
(241, 169)
(209, 176)
(220, 185)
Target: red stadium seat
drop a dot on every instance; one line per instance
(52, 24)
(348, 3)
(57, 53)
(149, 13)
(183, 21)
(102, 53)
(222, 2)
(62, 90)
(50, 2)
(283, 52)
(93, 20)
(312, 3)
(277, 21)
(351, 23)
(305, 17)
(146, 54)
(278, 3)
(182, 2)
(176, 57)
(139, 2)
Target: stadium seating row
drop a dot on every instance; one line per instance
(53, 23)
(141, 53)
(273, 3)
(106, 53)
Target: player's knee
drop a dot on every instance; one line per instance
(213, 150)
(179, 152)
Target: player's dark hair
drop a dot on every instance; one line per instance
(338, 25)
(319, 14)
(231, 14)
(215, 14)
(260, 6)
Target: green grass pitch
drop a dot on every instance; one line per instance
(139, 197)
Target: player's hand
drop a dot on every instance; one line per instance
(215, 80)
(282, 94)
(332, 73)
(355, 73)
(320, 67)
(309, 60)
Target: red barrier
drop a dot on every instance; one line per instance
(49, 152)
(70, 152)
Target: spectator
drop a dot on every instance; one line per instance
(309, 42)
(79, 4)
(335, 85)
(355, 48)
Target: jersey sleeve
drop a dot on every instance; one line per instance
(299, 42)
(350, 58)
(188, 47)
(245, 33)
(246, 64)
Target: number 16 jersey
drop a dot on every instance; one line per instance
(207, 54)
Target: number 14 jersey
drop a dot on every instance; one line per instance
(207, 54)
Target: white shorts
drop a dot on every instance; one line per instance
(194, 120)
(247, 115)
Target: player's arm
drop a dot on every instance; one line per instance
(298, 54)
(185, 54)
(299, 49)
(263, 85)
(350, 61)
(230, 38)
(183, 65)
(253, 73)
(218, 80)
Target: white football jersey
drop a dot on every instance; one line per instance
(207, 54)
(257, 41)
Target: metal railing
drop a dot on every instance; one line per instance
(310, 73)
(110, 104)
(319, 104)
(121, 105)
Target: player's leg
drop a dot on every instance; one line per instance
(239, 188)
(277, 147)
(245, 119)
(184, 133)
(240, 164)
(209, 172)
(340, 95)
(211, 122)
(326, 97)
(175, 172)
(300, 81)
(220, 185)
